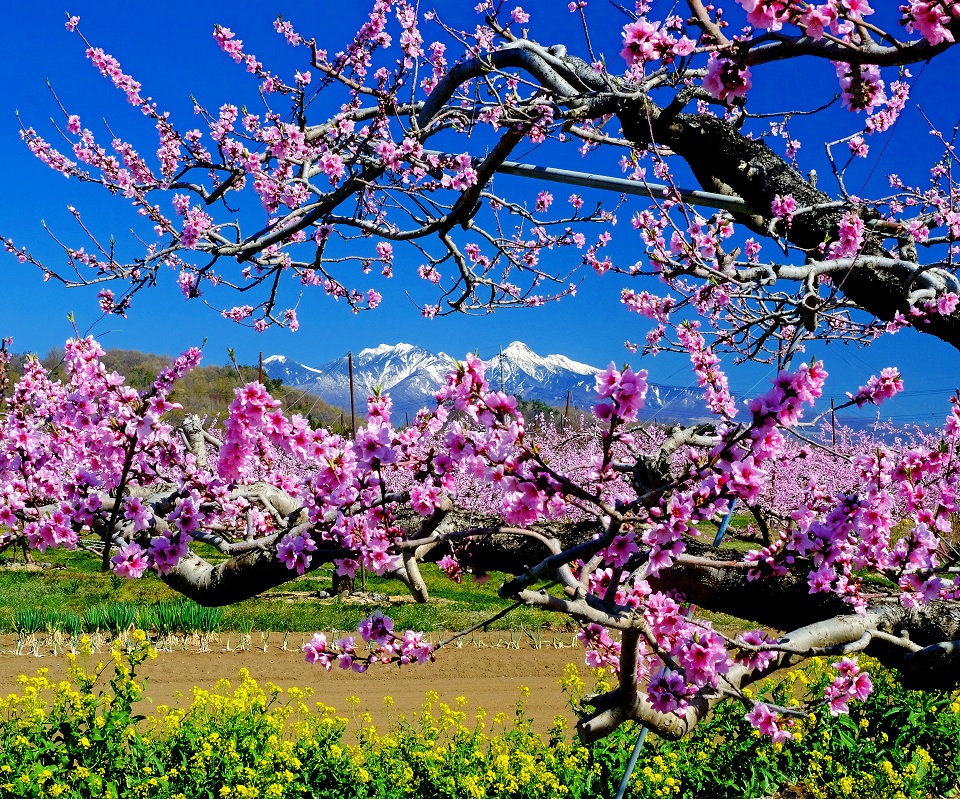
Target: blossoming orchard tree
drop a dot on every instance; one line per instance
(394, 145)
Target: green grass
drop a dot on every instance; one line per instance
(71, 590)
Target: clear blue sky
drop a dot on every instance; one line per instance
(173, 55)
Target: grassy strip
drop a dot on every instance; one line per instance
(81, 739)
(71, 595)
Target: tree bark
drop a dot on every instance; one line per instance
(780, 603)
(725, 161)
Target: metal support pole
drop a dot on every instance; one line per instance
(723, 526)
(635, 754)
(792, 349)
(632, 763)
(623, 186)
(833, 421)
(606, 183)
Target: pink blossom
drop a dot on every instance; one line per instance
(851, 683)
(166, 552)
(746, 479)
(130, 561)
(627, 389)
(861, 87)
(346, 567)
(620, 550)
(424, 499)
(376, 628)
(451, 568)
(850, 233)
(544, 200)
(765, 719)
(294, 551)
(784, 207)
(756, 659)
(725, 80)
(930, 18)
(765, 14)
(859, 147)
(315, 651)
(947, 303)
(642, 41)
(333, 167)
(136, 511)
(879, 389)
(817, 19)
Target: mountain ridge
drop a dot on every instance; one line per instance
(411, 374)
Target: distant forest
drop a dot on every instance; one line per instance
(206, 391)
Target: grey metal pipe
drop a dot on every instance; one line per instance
(622, 185)
(607, 183)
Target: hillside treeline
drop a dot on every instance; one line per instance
(207, 390)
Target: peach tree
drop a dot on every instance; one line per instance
(385, 156)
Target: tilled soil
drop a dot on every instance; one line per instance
(488, 670)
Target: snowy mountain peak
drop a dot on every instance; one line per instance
(517, 349)
(522, 357)
(563, 363)
(412, 375)
(385, 349)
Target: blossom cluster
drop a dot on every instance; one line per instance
(386, 647)
(68, 444)
(93, 458)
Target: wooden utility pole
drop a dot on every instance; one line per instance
(260, 377)
(833, 422)
(353, 409)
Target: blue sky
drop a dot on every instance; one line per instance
(174, 56)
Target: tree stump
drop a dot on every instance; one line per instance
(342, 584)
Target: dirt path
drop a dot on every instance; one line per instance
(488, 675)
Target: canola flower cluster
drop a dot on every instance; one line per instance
(897, 744)
(82, 738)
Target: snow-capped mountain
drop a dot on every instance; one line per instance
(519, 370)
(412, 374)
(291, 372)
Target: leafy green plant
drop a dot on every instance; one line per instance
(76, 585)
(164, 618)
(197, 618)
(95, 618)
(28, 620)
(70, 622)
(896, 743)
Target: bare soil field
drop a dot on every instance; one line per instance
(488, 670)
